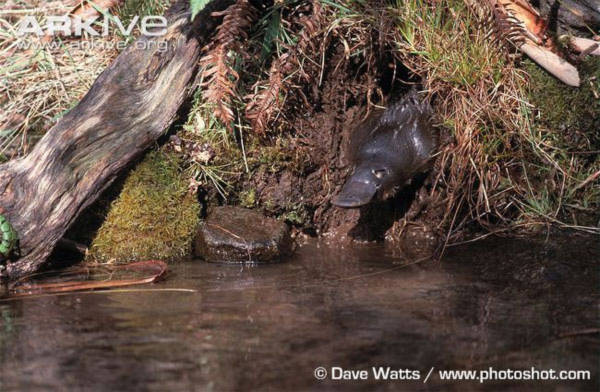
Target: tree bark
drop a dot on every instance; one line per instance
(127, 109)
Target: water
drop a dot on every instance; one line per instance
(499, 303)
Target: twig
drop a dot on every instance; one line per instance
(587, 331)
(591, 178)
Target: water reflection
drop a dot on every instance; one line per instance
(501, 303)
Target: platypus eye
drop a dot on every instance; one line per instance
(379, 173)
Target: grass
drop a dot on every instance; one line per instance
(40, 83)
(131, 8)
(446, 38)
(204, 129)
(509, 162)
(479, 99)
(521, 149)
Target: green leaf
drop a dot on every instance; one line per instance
(272, 32)
(197, 6)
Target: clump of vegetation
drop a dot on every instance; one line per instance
(153, 218)
(500, 167)
(248, 198)
(566, 123)
(278, 88)
(480, 101)
(211, 157)
(42, 78)
(504, 167)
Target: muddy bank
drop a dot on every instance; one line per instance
(491, 174)
(301, 192)
(518, 149)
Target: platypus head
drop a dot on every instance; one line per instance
(364, 183)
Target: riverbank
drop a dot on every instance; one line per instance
(519, 149)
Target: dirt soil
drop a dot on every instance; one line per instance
(321, 137)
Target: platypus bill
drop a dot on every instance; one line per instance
(389, 148)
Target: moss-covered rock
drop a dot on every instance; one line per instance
(154, 217)
(565, 136)
(566, 108)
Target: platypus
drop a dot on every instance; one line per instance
(387, 149)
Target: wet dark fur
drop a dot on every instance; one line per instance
(399, 141)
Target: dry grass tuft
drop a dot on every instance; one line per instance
(39, 83)
(497, 170)
(480, 102)
(42, 79)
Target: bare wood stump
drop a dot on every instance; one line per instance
(127, 109)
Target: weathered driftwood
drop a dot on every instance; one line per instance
(127, 109)
(553, 63)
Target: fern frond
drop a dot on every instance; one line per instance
(265, 103)
(217, 65)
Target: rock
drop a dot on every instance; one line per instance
(563, 15)
(238, 235)
(419, 241)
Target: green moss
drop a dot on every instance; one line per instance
(278, 156)
(564, 136)
(248, 198)
(274, 158)
(562, 107)
(153, 218)
(296, 214)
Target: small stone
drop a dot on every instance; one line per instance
(419, 241)
(239, 235)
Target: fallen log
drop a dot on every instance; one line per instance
(129, 106)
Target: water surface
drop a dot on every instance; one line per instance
(501, 303)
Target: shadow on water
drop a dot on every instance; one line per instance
(499, 303)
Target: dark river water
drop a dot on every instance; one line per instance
(500, 304)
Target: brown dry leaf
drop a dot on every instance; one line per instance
(153, 270)
(264, 104)
(520, 23)
(217, 75)
(525, 13)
